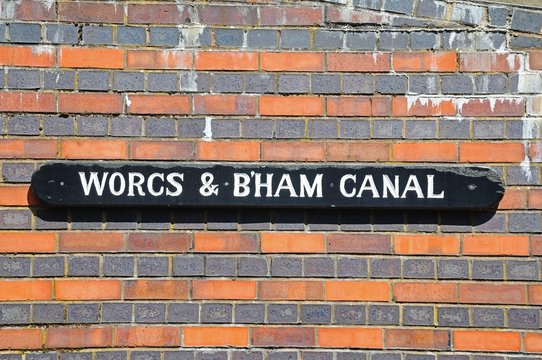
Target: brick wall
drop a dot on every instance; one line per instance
(372, 81)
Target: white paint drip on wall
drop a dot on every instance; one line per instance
(208, 131)
(42, 49)
(46, 3)
(7, 9)
(190, 83)
(190, 36)
(127, 101)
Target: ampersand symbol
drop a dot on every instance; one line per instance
(208, 188)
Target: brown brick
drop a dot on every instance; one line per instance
(358, 62)
(293, 16)
(353, 151)
(91, 241)
(162, 150)
(417, 339)
(161, 13)
(235, 336)
(225, 104)
(287, 290)
(147, 336)
(94, 12)
(228, 15)
(358, 243)
(293, 151)
(158, 104)
(159, 242)
(74, 338)
(79, 103)
(283, 336)
(156, 289)
(477, 293)
(425, 292)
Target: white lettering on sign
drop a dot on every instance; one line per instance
(347, 187)
(243, 185)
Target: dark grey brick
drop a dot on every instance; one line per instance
(190, 128)
(289, 129)
(424, 40)
(15, 219)
(458, 40)
(420, 357)
(3, 28)
(394, 40)
(399, 6)
(192, 82)
(128, 81)
(391, 84)
(116, 313)
(62, 33)
(361, 40)
(195, 36)
(355, 129)
(522, 175)
(179, 355)
(295, 39)
(93, 80)
(259, 83)
(11, 314)
(160, 127)
(247, 355)
(162, 82)
(83, 265)
(315, 314)
(293, 84)
(456, 84)
(490, 84)
(467, 14)
(316, 355)
(145, 355)
(25, 33)
(322, 129)
(14, 266)
(221, 266)
(452, 357)
(183, 313)
(423, 84)
(431, 9)
(216, 313)
(527, 21)
(188, 266)
(227, 83)
(11, 357)
(525, 222)
(328, 39)
(282, 313)
(229, 37)
(488, 317)
(453, 316)
(249, 313)
(522, 270)
(76, 356)
(358, 84)
(453, 269)
(286, 266)
(257, 129)
(150, 313)
(454, 129)
(131, 35)
(384, 315)
(350, 314)
(111, 355)
(418, 315)
(126, 126)
(355, 355)
(262, 39)
(164, 36)
(520, 318)
(493, 223)
(490, 41)
(252, 266)
(98, 34)
(388, 221)
(92, 125)
(319, 267)
(212, 355)
(48, 313)
(418, 129)
(422, 221)
(368, 4)
(387, 129)
(121, 220)
(488, 129)
(152, 266)
(59, 126)
(325, 84)
(419, 268)
(24, 125)
(498, 16)
(83, 313)
(118, 266)
(23, 79)
(49, 266)
(355, 267)
(17, 172)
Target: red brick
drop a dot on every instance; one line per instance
(415, 106)
(533, 342)
(226, 60)
(493, 107)
(358, 62)
(225, 104)
(218, 336)
(158, 59)
(156, 290)
(147, 336)
(93, 12)
(381, 105)
(24, 290)
(162, 150)
(34, 56)
(514, 199)
(476, 340)
(74, 338)
(18, 195)
(20, 339)
(293, 151)
(358, 243)
(491, 152)
(19, 101)
(28, 149)
(444, 61)
(489, 62)
(291, 105)
(293, 16)
(350, 338)
(445, 152)
(535, 294)
(27, 242)
(75, 289)
(477, 293)
(226, 242)
(224, 290)
(228, 15)
(228, 150)
(417, 339)
(159, 242)
(94, 149)
(277, 242)
(34, 10)
(283, 336)
(158, 104)
(422, 244)
(148, 13)
(496, 245)
(536, 244)
(91, 241)
(425, 292)
(95, 58)
(292, 61)
(354, 151)
(348, 106)
(357, 290)
(535, 150)
(287, 290)
(80, 103)
(338, 15)
(535, 60)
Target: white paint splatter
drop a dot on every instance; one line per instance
(127, 101)
(208, 131)
(190, 36)
(46, 3)
(492, 103)
(534, 105)
(43, 49)
(7, 9)
(189, 82)
(451, 40)
(529, 83)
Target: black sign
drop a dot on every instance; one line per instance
(267, 185)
